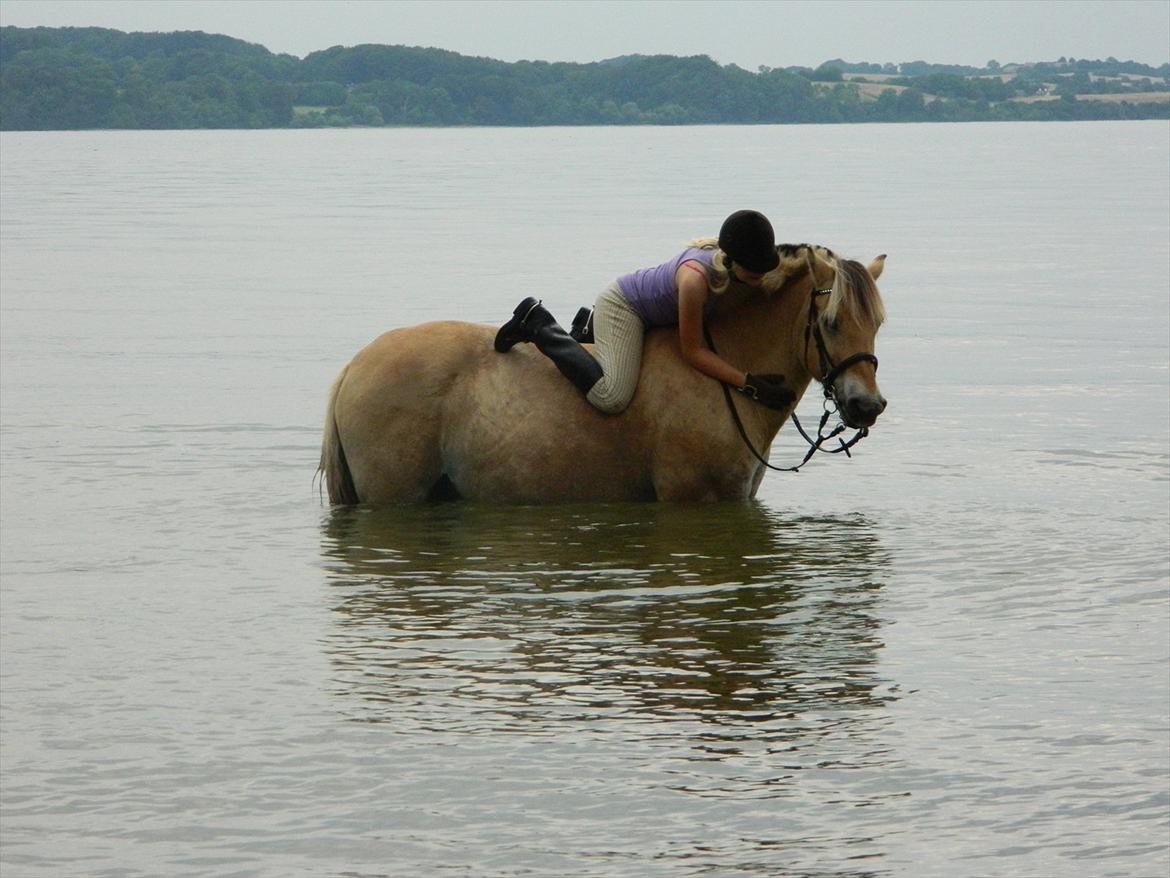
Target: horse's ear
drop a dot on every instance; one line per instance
(875, 267)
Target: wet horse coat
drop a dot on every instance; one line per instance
(433, 412)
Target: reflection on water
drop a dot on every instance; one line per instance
(719, 622)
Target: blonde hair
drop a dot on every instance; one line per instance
(719, 274)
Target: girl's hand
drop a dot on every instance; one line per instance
(768, 390)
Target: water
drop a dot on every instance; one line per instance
(948, 655)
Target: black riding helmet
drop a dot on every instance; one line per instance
(747, 237)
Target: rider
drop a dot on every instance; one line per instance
(673, 293)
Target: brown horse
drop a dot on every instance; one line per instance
(433, 412)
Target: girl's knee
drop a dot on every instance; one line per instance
(610, 406)
(609, 400)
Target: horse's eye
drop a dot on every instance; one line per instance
(832, 325)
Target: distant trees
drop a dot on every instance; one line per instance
(93, 78)
(953, 85)
(60, 78)
(827, 73)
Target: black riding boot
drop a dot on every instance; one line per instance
(532, 322)
(582, 328)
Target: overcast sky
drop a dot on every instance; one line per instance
(750, 33)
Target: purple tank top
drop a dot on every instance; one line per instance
(653, 292)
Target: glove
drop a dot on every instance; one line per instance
(768, 390)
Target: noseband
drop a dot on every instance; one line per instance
(832, 371)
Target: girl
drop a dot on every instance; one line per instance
(673, 293)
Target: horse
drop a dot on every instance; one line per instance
(432, 412)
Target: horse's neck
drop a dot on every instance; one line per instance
(762, 333)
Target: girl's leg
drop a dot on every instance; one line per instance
(619, 332)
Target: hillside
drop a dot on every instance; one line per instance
(83, 78)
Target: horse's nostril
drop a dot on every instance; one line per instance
(865, 411)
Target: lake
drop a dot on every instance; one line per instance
(948, 655)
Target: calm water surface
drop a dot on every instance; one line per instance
(947, 656)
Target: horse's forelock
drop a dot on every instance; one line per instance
(854, 288)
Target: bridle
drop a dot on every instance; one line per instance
(832, 371)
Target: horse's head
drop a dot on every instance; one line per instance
(844, 313)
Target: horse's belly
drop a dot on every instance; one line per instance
(538, 465)
(525, 435)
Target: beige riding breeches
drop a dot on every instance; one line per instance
(618, 331)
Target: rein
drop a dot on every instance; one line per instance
(812, 332)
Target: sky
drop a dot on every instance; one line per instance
(750, 33)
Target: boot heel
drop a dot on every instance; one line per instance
(515, 331)
(582, 327)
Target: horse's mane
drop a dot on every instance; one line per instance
(853, 288)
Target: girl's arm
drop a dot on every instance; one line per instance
(692, 296)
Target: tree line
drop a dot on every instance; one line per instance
(86, 78)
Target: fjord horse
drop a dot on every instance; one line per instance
(433, 412)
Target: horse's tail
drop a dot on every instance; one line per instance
(333, 466)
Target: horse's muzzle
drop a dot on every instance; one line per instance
(862, 411)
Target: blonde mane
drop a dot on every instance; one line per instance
(853, 288)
